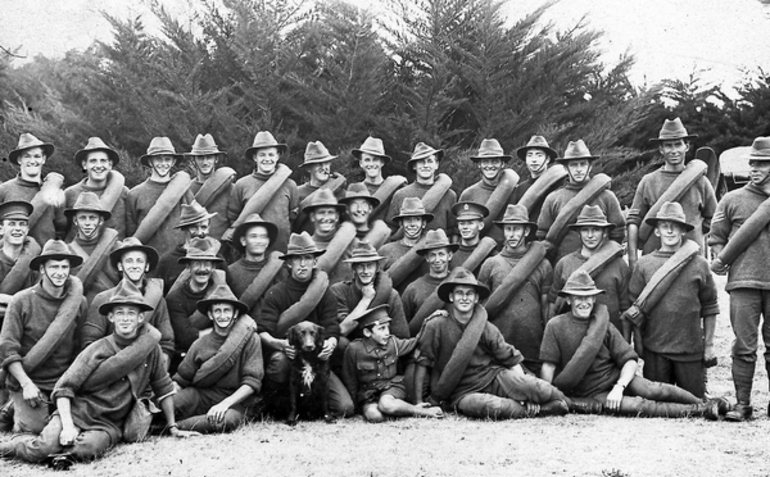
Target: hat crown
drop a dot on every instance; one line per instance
(363, 249)
(580, 281)
(205, 144)
(469, 210)
(315, 150)
(375, 316)
(412, 206)
(592, 215)
(577, 150)
(264, 139)
(516, 213)
(671, 211)
(129, 242)
(322, 197)
(672, 129)
(357, 189)
(88, 201)
(760, 148)
(537, 141)
(126, 293)
(422, 150)
(95, 143)
(192, 213)
(55, 247)
(435, 239)
(222, 293)
(490, 148)
(373, 146)
(160, 145)
(205, 248)
(461, 277)
(301, 244)
(28, 140)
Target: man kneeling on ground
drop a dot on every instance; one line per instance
(597, 367)
(222, 370)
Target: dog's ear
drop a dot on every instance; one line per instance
(319, 335)
(291, 335)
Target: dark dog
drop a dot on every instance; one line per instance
(309, 380)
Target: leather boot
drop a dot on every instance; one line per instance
(741, 412)
(557, 407)
(585, 406)
(675, 409)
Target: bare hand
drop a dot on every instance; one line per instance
(533, 409)
(31, 394)
(614, 398)
(180, 434)
(328, 349)
(709, 356)
(68, 435)
(217, 413)
(289, 350)
(368, 291)
(719, 267)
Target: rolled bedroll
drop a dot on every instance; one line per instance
(263, 280)
(406, 264)
(337, 247)
(214, 185)
(485, 246)
(390, 185)
(431, 199)
(159, 212)
(257, 202)
(115, 183)
(746, 233)
(543, 185)
(569, 212)
(499, 197)
(335, 183)
(50, 193)
(515, 278)
(15, 279)
(609, 251)
(378, 235)
(307, 302)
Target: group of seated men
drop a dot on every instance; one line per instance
(176, 296)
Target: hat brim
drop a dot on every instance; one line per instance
(439, 153)
(152, 255)
(318, 161)
(521, 152)
(594, 292)
(354, 260)
(200, 259)
(562, 160)
(516, 222)
(104, 213)
(426, 215)
(48, 150)
(374, 200)
(145, 160)
(75, 260)
(357, 154)
(208, 215)
(445, 289)
(282, 148)
(81, 155)
(603, 225)
(204, 305)
(451, 246)
(309, 208)
(198, 154)
(653, 221)
(661, 139)
(314, 253)
(105, 308)
(502, 157)
(240, 231)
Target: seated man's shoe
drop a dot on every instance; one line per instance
(557, 407)
(723, 405)
(741, 412)
(585, 406)
(60, 461)
(711, 412)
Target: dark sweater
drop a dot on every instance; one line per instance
(443, 216)
(348, 295)
(417, 293)
(51, 223)
(140, 200)
(480, 193)
(219, 223)
(282, 295)
(169, 268)
(181, 306)
(118, 219)
(243, 272)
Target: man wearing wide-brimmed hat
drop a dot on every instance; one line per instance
(31, 155)
(17, 250)
(413, 220)
(437, 252)
(134, 261)
(212, 186)
(424, 162)
(740, 239)
(359, 204)
(538, 158)
(96, 398)
(521, 314)
(472, 370)
(316, 303)
(561, 207)
(588, 359)
(153, 207)
(369, 287)
(371, 159)
(195, 223)
(696, 195)
(98, 161)
(491, 160)
(93, 242)
(199, 278)
(317, 164)
(677, 334)
(223, 369)
(40, 336)
(602, 258)
(269, 178)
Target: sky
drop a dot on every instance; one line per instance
(720, 39)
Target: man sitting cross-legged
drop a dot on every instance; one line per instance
(222, 370)
(95, 397)
(472, 369)
(588, 359)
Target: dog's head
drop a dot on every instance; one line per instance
(306, 337)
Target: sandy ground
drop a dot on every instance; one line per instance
(570, 446)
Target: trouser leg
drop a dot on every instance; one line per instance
(33, 448)
(90, 444)
(746, 306)
(194, 405)
(27, 418)
(340, 403)
(644, 388)
(636, 406)
(488, 406)
(658, 368)
(525, 387)
(688, 375)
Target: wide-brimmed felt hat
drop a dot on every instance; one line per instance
(301, 244)
(576, 150)
(592, 216)
(413, 207)
(422, 151)
(373, 146)
(358, 190)
(16, 209)
(374, 316)
(580, 283)
(28, 141)
(205, 248)
(159, 146)
(88, 202)
(192, 213)
(316, 153)
(205, 145)
(55, 250)
(672, 130)
(760, 149)
(251, 221)
(262, 140)
(323, 197)
(461, 277)
(469, 211)
(127, 293)
(363, 252)
(436, 239)
(536, 142)
(221, 294)
(671, 212)
(134, 244)
(96, 144)
(516, 214)
(490, 149)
